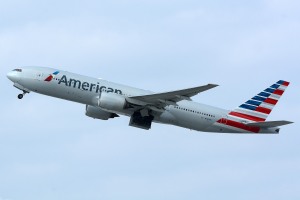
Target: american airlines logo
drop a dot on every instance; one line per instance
(86, 86)
(51, 76)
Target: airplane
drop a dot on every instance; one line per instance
(106, 100)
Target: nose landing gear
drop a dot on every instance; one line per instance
(20, 96)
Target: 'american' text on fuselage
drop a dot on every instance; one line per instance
(87, 86)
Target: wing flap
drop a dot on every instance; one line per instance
(269, 124)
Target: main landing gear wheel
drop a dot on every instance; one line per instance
(20, 96)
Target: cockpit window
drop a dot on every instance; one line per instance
(17, 70)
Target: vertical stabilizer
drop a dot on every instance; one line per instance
(260, 106)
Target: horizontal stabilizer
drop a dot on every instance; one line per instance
(269, 124)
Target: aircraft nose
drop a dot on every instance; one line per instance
(12, 76)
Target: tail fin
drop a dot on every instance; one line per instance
(260, 106)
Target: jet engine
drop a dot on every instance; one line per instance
(98, 113)
(112, 102)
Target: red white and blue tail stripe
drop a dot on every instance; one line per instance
(260, 106)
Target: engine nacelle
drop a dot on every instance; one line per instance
(98, 113)
(112, 102)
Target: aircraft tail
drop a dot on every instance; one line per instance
(260, 106)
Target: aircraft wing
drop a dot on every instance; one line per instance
(170, 98)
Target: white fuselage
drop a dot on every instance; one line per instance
(86, 90)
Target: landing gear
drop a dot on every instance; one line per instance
(20, 96)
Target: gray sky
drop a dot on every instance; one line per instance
(50, 150)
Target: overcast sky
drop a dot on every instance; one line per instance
(50, 150)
